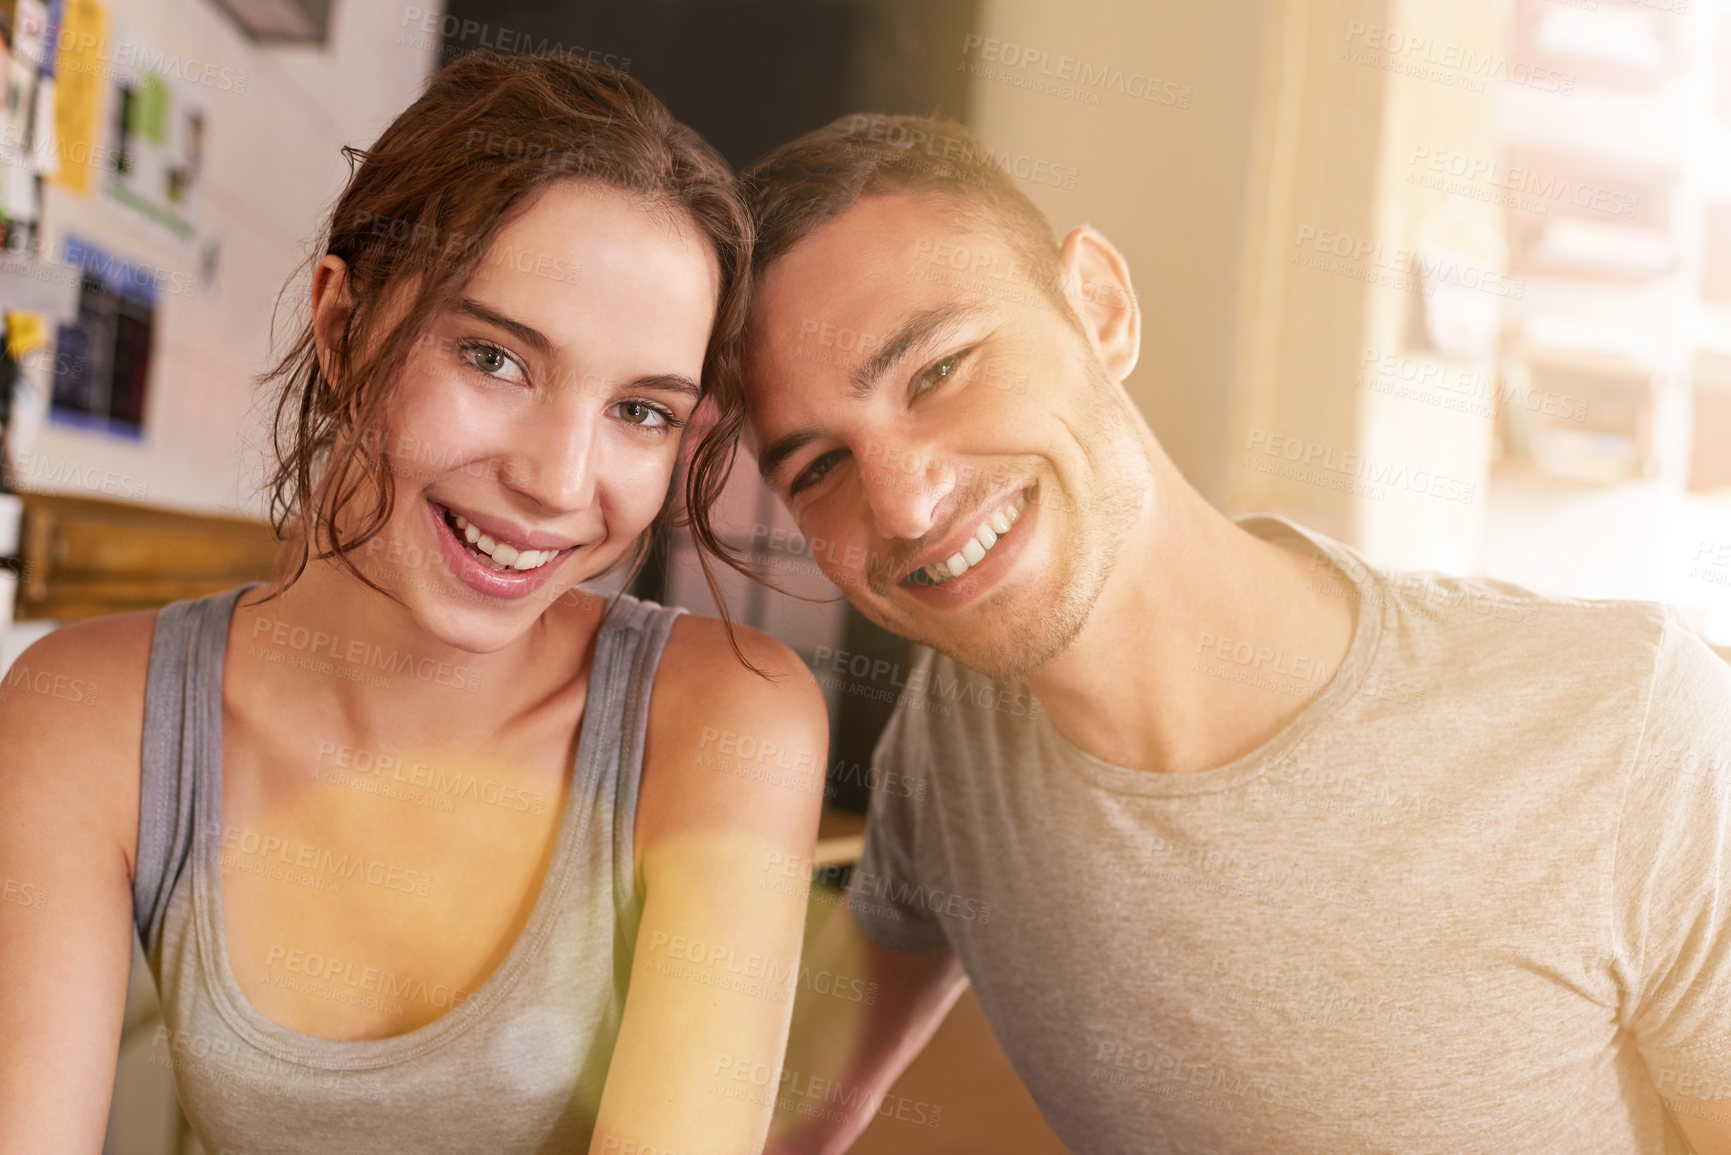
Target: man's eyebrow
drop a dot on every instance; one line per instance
(770, 458)
(527, 334)
(864, 379)
(914, 330)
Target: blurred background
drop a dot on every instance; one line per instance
(1449, 280)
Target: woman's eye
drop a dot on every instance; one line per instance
(494, 362)
(637, 413)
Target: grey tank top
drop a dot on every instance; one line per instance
(518, 1066)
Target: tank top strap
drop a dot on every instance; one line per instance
(186, 651)
(633, 636)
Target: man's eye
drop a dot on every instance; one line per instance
(942, 371)
(816, 471)
(639, 413)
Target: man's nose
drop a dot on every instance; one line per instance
(904, 489)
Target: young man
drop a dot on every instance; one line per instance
(1244, 846)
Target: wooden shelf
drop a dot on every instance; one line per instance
(85, 556)
(840, 837)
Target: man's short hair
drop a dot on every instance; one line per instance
(806, 182)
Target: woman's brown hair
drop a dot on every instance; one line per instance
(420, 210)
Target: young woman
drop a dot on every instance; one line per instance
(430, 850)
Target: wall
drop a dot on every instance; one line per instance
(1164, 174)
(272, 168)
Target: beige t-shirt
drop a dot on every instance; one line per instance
(1475, 898)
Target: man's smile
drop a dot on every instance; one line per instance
(964, 551)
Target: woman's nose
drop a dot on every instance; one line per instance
(554, 461)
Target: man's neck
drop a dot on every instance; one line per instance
(1175, 668)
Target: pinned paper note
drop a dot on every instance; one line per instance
(79, 89)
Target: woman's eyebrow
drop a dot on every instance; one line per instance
(527, 334)
(537, 340)
(669, 382)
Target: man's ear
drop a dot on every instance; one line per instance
(1097, 282)
(333, 307)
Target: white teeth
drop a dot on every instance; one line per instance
(993, 528)
(502, 556)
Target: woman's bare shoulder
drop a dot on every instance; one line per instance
(703, 667)
(109, 653)
(72, 723)
(729, 745)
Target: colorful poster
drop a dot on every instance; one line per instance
(158, 127)
(102, 366)
(29, 35)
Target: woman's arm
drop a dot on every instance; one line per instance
(71, 717)
(732, 785)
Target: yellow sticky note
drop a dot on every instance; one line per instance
(79, 86)
(26, 332)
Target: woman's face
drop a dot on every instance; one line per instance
(535, 428)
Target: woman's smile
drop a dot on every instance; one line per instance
(496, 566)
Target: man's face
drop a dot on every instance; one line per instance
(944, 433)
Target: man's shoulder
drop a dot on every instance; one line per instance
(1478, 636)
(1470, 605)
(1455, 606)
(1430, 607)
